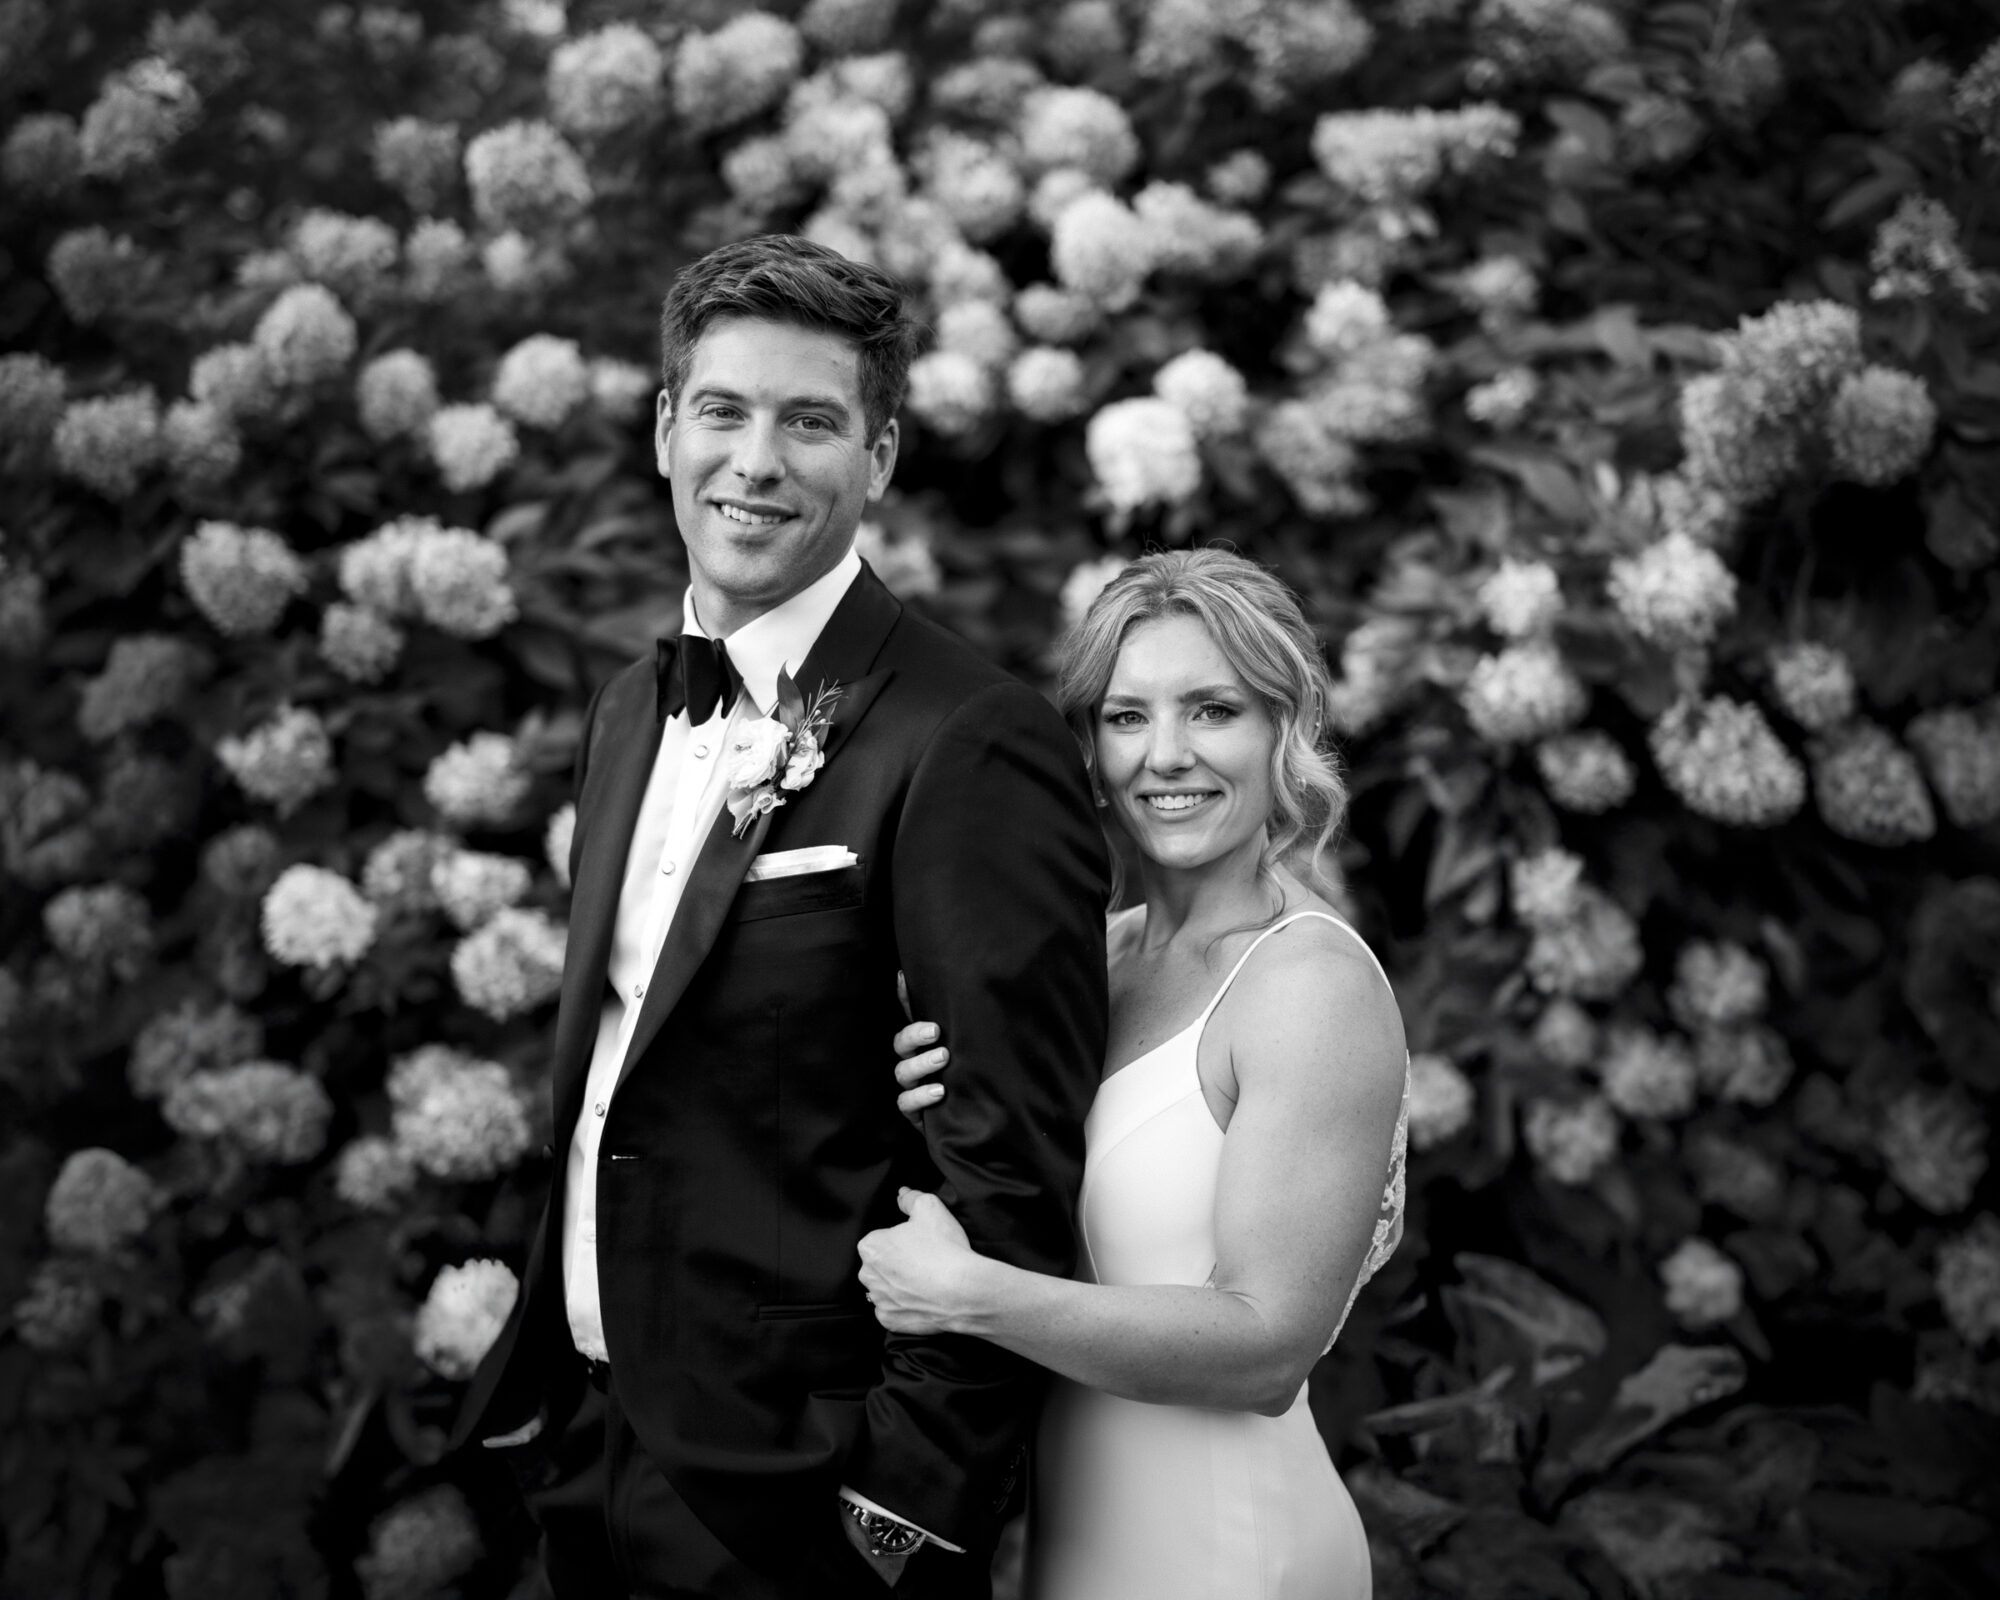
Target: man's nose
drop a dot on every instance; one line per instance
(758, 458)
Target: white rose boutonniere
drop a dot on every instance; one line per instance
(778, 752)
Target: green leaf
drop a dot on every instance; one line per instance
(1507, 1313)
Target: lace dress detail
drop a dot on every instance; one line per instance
(1389, 1221)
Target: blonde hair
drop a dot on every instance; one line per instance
(1259, 626)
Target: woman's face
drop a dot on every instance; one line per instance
(1183, 746)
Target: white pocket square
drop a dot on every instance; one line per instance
(790, 863)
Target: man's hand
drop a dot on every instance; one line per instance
(887, 1568)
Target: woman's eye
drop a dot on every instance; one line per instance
(1121, 719)
(1216, 711)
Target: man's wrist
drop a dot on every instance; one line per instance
(885, 1536)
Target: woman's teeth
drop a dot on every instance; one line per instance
(736, 514)
(1175, 802)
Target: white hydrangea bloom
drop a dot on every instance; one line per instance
(1383, 157)
(738, 71)
(1591, 955)
(138, 114)
(418, 159)
(1077, 127)
(622, 390)
(241, 579)
(460, 1120)
(472, 445)
(473, 884)
(1571, 1143)
(396, 395)
(526, 175)
(1524, 693)
(1504, 400)
(436, 256)
(1086, 581)
(1703, 1286)
(1721, 757)
(1054, 193)
(976, 185)
(907, 565)
(352, 256)
(1813, 684)
(606, 80)
(1520, 598)
(1208, 391)
(979, 329)
(1143, 452)
(1441, 1101)
(373, 1174)
(99, 1203)
(1968, 1281)
(1960, 746)
(1346, 317)
(1546, 887)
(1046, 384)
(397, 873)
(108, 444)
(541, 381)
(1880, 425)
(234, 379)
(305, 337)
(1193, 237)
(511, 965)
(265, 1110)
(556, 841)
(284, 761)
(1868, 788)
(358, 642)
(949, 391)
(1717, 983)
(477, 780)
(1747, 1064)
(1675, 593)
(463, 1314)
(1103, 249)
(201, 445)
(1056, 316)
(313, 917)
(62, 1305)
(1648, 1075)
(1566, 1034)
(1934, 1144)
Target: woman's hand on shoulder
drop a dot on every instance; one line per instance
(916, 1061)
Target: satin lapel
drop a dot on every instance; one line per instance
(628, 740)
(846, 649)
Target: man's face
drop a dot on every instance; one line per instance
(770, 463)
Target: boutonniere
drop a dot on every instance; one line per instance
(778, 753)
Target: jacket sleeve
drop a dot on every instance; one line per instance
(1000, 887)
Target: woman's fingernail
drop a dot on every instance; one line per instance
(930, 1031)
(934, 1091)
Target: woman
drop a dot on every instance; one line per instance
(1244, 1173)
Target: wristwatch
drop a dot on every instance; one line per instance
(886, 1536)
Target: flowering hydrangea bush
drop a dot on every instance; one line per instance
(1655, 565)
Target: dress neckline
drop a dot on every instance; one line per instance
(1201, 1020)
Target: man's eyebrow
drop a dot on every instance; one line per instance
(796, 402)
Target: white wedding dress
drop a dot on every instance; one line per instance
(1154, 1502)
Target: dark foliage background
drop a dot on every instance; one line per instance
(1618, 382)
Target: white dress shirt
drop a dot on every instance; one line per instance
(684, 796)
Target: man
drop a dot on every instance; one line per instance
(812, 791)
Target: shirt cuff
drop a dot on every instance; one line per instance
(866, 1504)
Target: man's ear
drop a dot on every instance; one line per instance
(663, 429)
(882, 458)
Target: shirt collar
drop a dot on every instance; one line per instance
(782, 637)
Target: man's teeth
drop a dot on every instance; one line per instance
(737, 514)
(1174, 802)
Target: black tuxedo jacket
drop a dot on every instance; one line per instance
(753, 1137)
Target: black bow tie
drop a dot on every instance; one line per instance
(696, 676)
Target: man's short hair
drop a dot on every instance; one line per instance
(781, 277)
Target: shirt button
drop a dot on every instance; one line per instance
(599, 1108)
(701, 752)
(667, 867)
(638, 991)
